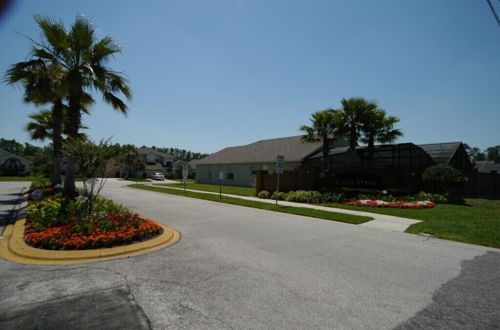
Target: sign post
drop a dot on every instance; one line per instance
(279, 170)
(221, 177)
(185, 172)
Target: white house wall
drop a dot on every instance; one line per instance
(242, 173)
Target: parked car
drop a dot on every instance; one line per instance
(158, 176)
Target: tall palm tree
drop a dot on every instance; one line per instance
(83, 59)
(354, 113)
(42, 85)
(325, 125)
(380, 128)
(43, 126)
(129, 157)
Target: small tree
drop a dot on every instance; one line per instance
(91, 161)
(444, 176)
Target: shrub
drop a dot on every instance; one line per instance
(264, 194)
(444, 175)
(329, 197)
(436, 198)
(74, 209)
(44, 213)
(303, 196)
(104, 206)
(281, 196)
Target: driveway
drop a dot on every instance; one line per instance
(244, 268)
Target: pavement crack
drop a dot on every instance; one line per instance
(191, 309)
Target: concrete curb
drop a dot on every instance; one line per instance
(13, 248)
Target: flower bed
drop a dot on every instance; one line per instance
(398, 204)
(108, 231)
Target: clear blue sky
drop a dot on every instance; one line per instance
(210, 74)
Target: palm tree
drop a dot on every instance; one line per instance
(43, 126)
(324, 127)
(354, 113)
(129, 157)
(379, 128)
(42, 85)
(83, 59)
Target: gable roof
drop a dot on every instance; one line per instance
(5, 154)
(146, 150)
(264, 151)
(441, 153)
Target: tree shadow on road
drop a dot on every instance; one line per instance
(469, 301)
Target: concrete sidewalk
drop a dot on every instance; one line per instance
(380, 221)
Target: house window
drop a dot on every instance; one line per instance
(254, 169)
(151, 159)
(230, 174)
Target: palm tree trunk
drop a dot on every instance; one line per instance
(352, 138)
(74, 120)
(371, 148)
(57, 118)
(326, 152)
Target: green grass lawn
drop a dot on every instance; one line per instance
(242, 191)
(354, 219)
(188, 180)
(137, 180)
(18, 178)
(477, 222)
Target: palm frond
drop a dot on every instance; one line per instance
(115, 102)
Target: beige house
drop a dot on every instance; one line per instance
(12, 164)
(240, 164)
(155, 161)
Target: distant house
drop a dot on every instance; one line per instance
(12, 164)
(487, 166)
(156, 161)
(240, 164)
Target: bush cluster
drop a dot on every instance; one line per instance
(316, 197)
(53, 210)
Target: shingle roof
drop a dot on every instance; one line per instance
(5, 153)
(441, 153)
(146, 150)
(486, 166)
(264, 151)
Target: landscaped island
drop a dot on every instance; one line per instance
(56, 223)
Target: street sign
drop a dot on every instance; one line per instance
(221, 175)
(280, 166)
(185, 170)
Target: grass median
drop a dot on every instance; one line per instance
(335, 216)
(18, 178)
(231, 190)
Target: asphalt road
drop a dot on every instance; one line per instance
(10, 195)
(243, 268)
